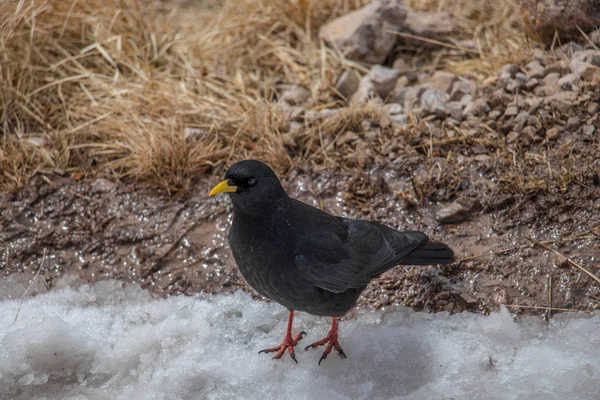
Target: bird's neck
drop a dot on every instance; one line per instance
(274, 212)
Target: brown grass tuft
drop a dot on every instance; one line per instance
(120, 87)
(495, 27)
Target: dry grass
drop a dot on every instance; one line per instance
(118, 88)
(494, 27)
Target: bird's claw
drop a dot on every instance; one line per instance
(332, 342)
(288, 344)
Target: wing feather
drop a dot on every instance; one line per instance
(349, 257)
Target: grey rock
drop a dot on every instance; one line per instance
(593, 108)
(535, 70)
(293, 113)
(551, 79)
(553, 133)
(371, 136)
(466, 100)
(545, 90)
(401, 119)
(462, 87)
(466, 300)
(534, 103)
(430, 25)
(511, 111)
(583, 63)
(348, 83)
(407, 70)
(379, 81)
(455, 110)
(534, 121)
(532, 83)
(499, 98)
(295, 126)
(494, 114)
(585, 56)
(573, 123)
(540, 55)
(458, 211)
(552, 69)
(568, 50)
(568, 81)
(295, 95)
(433, 101)
(401, 65)
(394, 109)
(364, 94)
(443, 81)
(560, 261)
(561, 101)
(409, 97)
(314, 116)
(530, 132)
(588, 130)
(383, 79)
(512, 137)
(477, 107)
(520, 121)
(398, 95)
(508, 70)
(366, 34)
(102, 185)
(402, 82)
(521, 77)
(590, 73)
(595, 37)
(346, 137)
(512, 86)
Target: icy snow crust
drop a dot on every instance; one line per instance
(108, 342)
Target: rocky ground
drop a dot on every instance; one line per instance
(504, 168)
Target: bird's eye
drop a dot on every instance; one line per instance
(251, 182)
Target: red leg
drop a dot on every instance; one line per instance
(288, 342)
(331, 340)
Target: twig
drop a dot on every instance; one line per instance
(546, 308)
(588, 38)
(30, 285)
(174, 245)
(573, 263)
(549, 315)
(432, 41)
(501, 251)
(470, 258)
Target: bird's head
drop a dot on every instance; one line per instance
(252, 186)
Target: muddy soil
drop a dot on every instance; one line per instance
(99, 229)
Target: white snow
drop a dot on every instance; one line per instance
(108, 342)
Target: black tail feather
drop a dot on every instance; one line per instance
(429, 253)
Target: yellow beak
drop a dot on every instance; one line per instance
(223, 187)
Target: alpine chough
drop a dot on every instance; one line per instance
(306, 259)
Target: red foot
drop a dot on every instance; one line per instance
(331, 340)
(288, 343)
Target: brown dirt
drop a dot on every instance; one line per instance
(102, 230)
(530, 184)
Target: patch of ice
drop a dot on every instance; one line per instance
(108, 342)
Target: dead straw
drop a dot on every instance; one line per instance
(30, 285)
(570, 261)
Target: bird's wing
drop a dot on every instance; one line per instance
(353, 254)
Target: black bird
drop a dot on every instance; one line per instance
(306, 259)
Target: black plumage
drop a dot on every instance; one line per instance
(305, 258)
